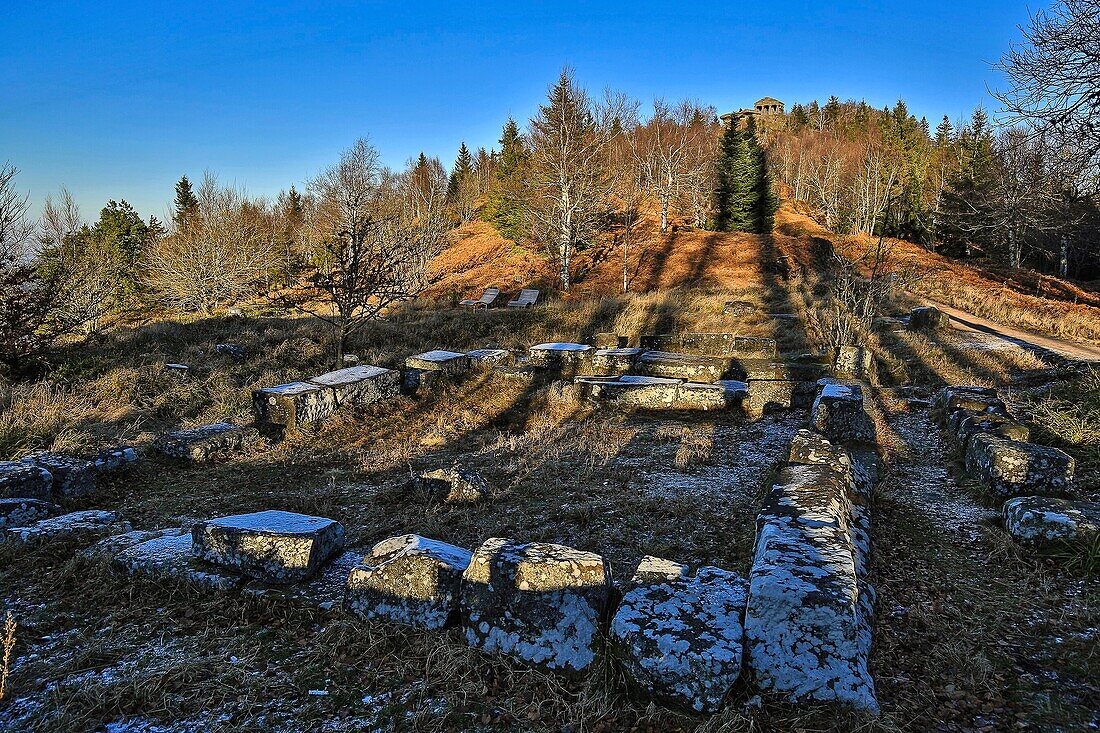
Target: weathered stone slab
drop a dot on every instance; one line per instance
(839, 415)
(1011, 468)
(168, 555)
(1044, 520)
(859, 468)
(565, 356)
(113, 460)
(485, 358)
(657, 393)
(681, 638)
(107, 548)
(233, 351)
(610, 361)
(610, 341)
(72, 477)
(452, 485)
(971, 424)
(409, 580)
(770, 369)
(451, 363)
(317, 398)
(808, 615)
(712, 344)
(947, 398)
(770, 395)
(855, 362)
(928, 318)
(22, 512)
(539, 602)
(208, 442)
(272, 546)
(681, 366)
(23, 481)
(75, 528)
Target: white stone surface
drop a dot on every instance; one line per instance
(1046, 520)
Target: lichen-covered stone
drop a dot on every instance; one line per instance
(855, 362)
(485, 358)
(690, 367)
(770, 369)
(681, 638)
(272, 546)
(323, 591)
(72, 477)
(451, 363)
(558, 355)
(287, 405)
(971, 424)
(21, 512)
(771, 395)
(453, 485)
(168, 554)
(23, 481)
(1011, 468)
(839, 415)
(928, 318)
(712, 344)
(409, 580)
(1044, 520)
(809, 610)
(632, 392)
(610, 361)
(113, 460)
(951, 396)
(207, 443)
(233, 351)
(75, 528)
(539, 602)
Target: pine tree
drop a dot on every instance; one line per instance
(464, 167)
(944, 133)
(745, 199)
(186, 205)
(504, 208)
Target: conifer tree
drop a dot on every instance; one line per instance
(944, 133)
(745, 199)
(186, 204)
(464, 167)
(504, 209)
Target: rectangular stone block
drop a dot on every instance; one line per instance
(24, 481)
(360, 385)
(272, 546)
(839, 415)
(1058, 523)
(452, 363)
(408, 580)
(75, 528)
(72, 477)
(971, 424)
(487, 358)
(610, 362)
(690, 367)
(1010, 468)
(540, 602)
(809, 610)
(317, 398)
(22, 512)
(657, 393)
(168, 556)
(565, 356)
(207, 443)
(771, 395)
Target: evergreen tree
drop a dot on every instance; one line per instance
(970, 201)
(745, 200)
(463, 168)
(120, 236)
(504, 208)
(186, 205)
(944, 133)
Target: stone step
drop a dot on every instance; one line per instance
(207, 443)
(75, 528)
(22, 512)
(712, 344)
(287, 405)
(1010, 468)
(1051, 522)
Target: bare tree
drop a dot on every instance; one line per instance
(1054, 79)
(569, 185)
(378, 232)
(225, 254)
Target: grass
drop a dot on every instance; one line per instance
(1067, 416)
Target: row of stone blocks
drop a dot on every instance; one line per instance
(1031, 479)
(810, 608)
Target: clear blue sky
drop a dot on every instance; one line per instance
(117, 100)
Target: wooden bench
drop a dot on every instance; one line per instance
(485, 301)
(525, 299)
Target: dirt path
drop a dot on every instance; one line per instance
(964, 321)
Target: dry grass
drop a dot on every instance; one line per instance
(7, 646)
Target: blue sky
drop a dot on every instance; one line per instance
(117, 100)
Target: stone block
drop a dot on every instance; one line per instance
(168, 555)
(22, 512)
(809, 610)
(24, 481)
(712, 344)
(1010, 468)
(539, 602)
(233, 351)
(565, 356)
(487, 358)
(409, 580)
(839, 415)
(72, 477)
(207, 443)
(928, 318)
(451, 363)
(113, 460)
(771, 395)
(971, 424)
(632, 392)
(1044, 520)
(359, 385)
(681, 366)
(452, 486)
(613, 362)
(317, 398)
(855, 362)
(323, 591)
(943, 399)
(272, 546)
(75, 528)
(770, 369)
(681, 638)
